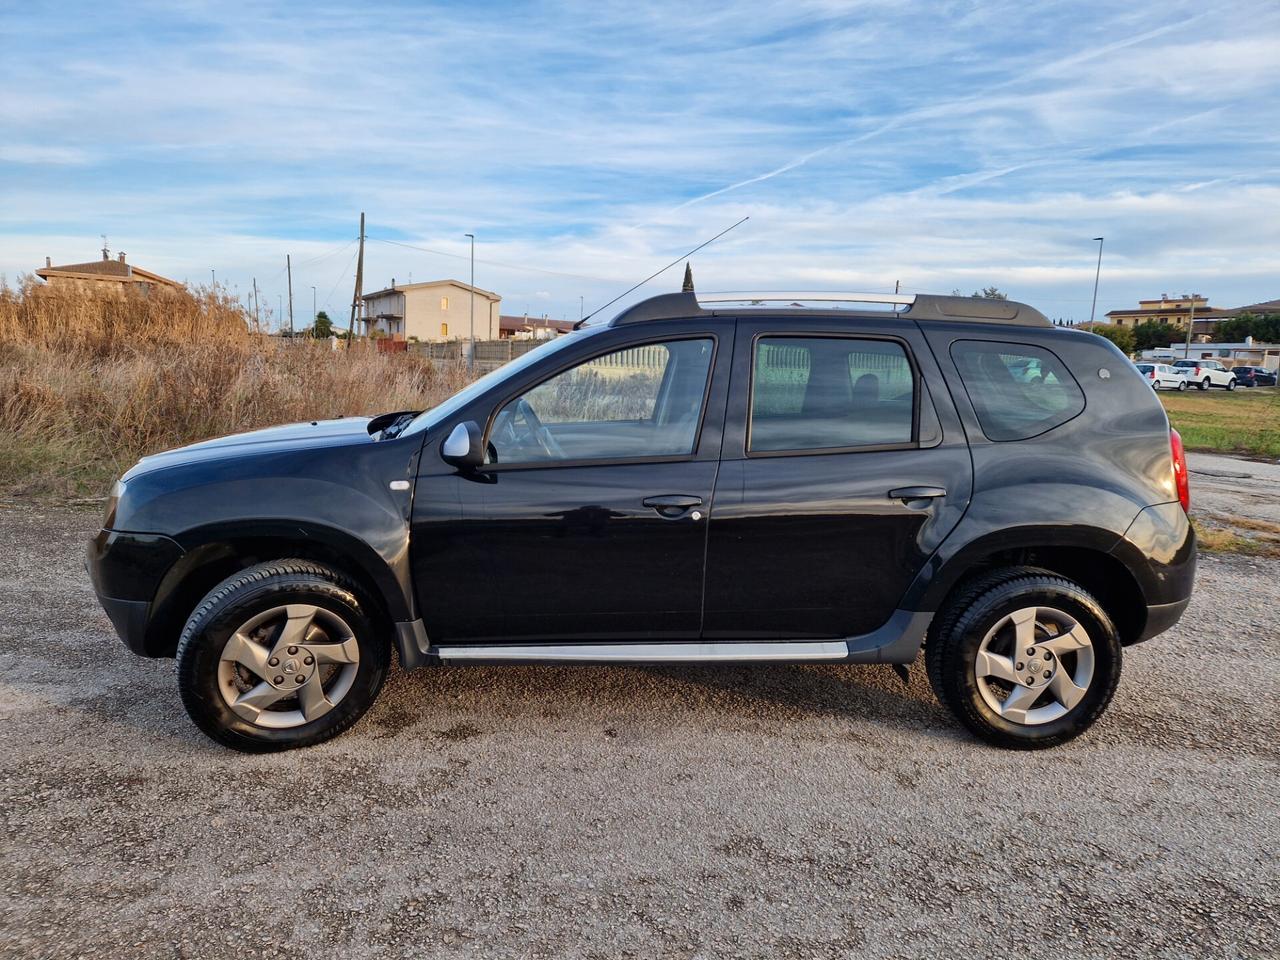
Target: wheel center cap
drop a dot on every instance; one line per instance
(1035, 666)
(291, 666)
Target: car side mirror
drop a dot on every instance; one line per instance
(464, 447)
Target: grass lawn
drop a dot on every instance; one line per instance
(1243, 421)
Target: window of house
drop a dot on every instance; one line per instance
(815, 393)
(638, 402)
(1018, 391)
(444, 329)
(444, 303)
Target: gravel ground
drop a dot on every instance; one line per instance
(623, 812)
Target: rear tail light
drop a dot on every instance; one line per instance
(1180, 469)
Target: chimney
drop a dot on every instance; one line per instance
(48, 262)
(120, 256)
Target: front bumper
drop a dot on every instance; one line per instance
(126, 570)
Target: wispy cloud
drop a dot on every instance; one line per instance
(942, 145)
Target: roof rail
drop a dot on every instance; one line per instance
(819, 296)
(924, 307)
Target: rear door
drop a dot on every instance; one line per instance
(841, 473)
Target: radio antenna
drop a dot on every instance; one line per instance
(663, 270)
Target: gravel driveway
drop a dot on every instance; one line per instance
(633, 812)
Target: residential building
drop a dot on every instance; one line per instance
(525, 327)
(433, 311)
(105, 275)
(1176, 310)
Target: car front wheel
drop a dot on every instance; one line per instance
(1024, 658)
(283, 654)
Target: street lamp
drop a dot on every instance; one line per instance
(214, 273)
(471, 354)
(1096, 276)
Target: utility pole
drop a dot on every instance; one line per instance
(313, 311)
(579, 308)
(471, 354)
(257, 317)
(289, 269)
(1096, 276)
(355, 299)
(1191, 322)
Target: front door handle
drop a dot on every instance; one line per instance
(907, 494)
(672, 504)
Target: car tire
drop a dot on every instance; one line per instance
(1204, 384)
(963, 644)
(281, 655)
(1231, 384)
(1182, 386)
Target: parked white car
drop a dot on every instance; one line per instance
(1161, 376)
(1207, 373)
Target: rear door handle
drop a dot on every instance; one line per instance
(907, 494)
(673, 505)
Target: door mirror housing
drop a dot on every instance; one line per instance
(464, 447)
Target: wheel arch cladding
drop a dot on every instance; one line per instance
(213, 554)
(1083, 558)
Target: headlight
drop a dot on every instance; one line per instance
(113, 501)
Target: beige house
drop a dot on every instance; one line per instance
(105, 275)
(433, 311)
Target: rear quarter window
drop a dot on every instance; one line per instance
(1018, 391)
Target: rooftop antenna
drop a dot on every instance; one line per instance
(106, 252)
(687, 286)
(688, 273)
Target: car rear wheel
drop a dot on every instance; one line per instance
(1182, 386)
(1231, 384)
(284, 654)
(1204, 384)
(1024, 658)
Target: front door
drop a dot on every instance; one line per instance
(841, 475)
(588, 522)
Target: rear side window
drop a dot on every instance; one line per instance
(1018, 391)
(822, 393)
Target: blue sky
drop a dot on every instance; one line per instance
(944, 145)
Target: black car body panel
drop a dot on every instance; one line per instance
(859, 544)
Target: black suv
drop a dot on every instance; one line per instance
(791, 478)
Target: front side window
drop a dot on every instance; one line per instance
(816, 393)
(641, 401)
(1018, 391)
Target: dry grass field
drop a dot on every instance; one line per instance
(1245, 421)
(90, 384)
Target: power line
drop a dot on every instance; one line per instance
(499, 263)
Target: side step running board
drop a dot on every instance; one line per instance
(792, 651)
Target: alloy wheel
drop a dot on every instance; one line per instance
(288, 665)
(1034, 665)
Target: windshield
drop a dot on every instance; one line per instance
(430, 418)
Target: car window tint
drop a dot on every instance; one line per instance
(638, 402)
(813, 393)
(1018, 391)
